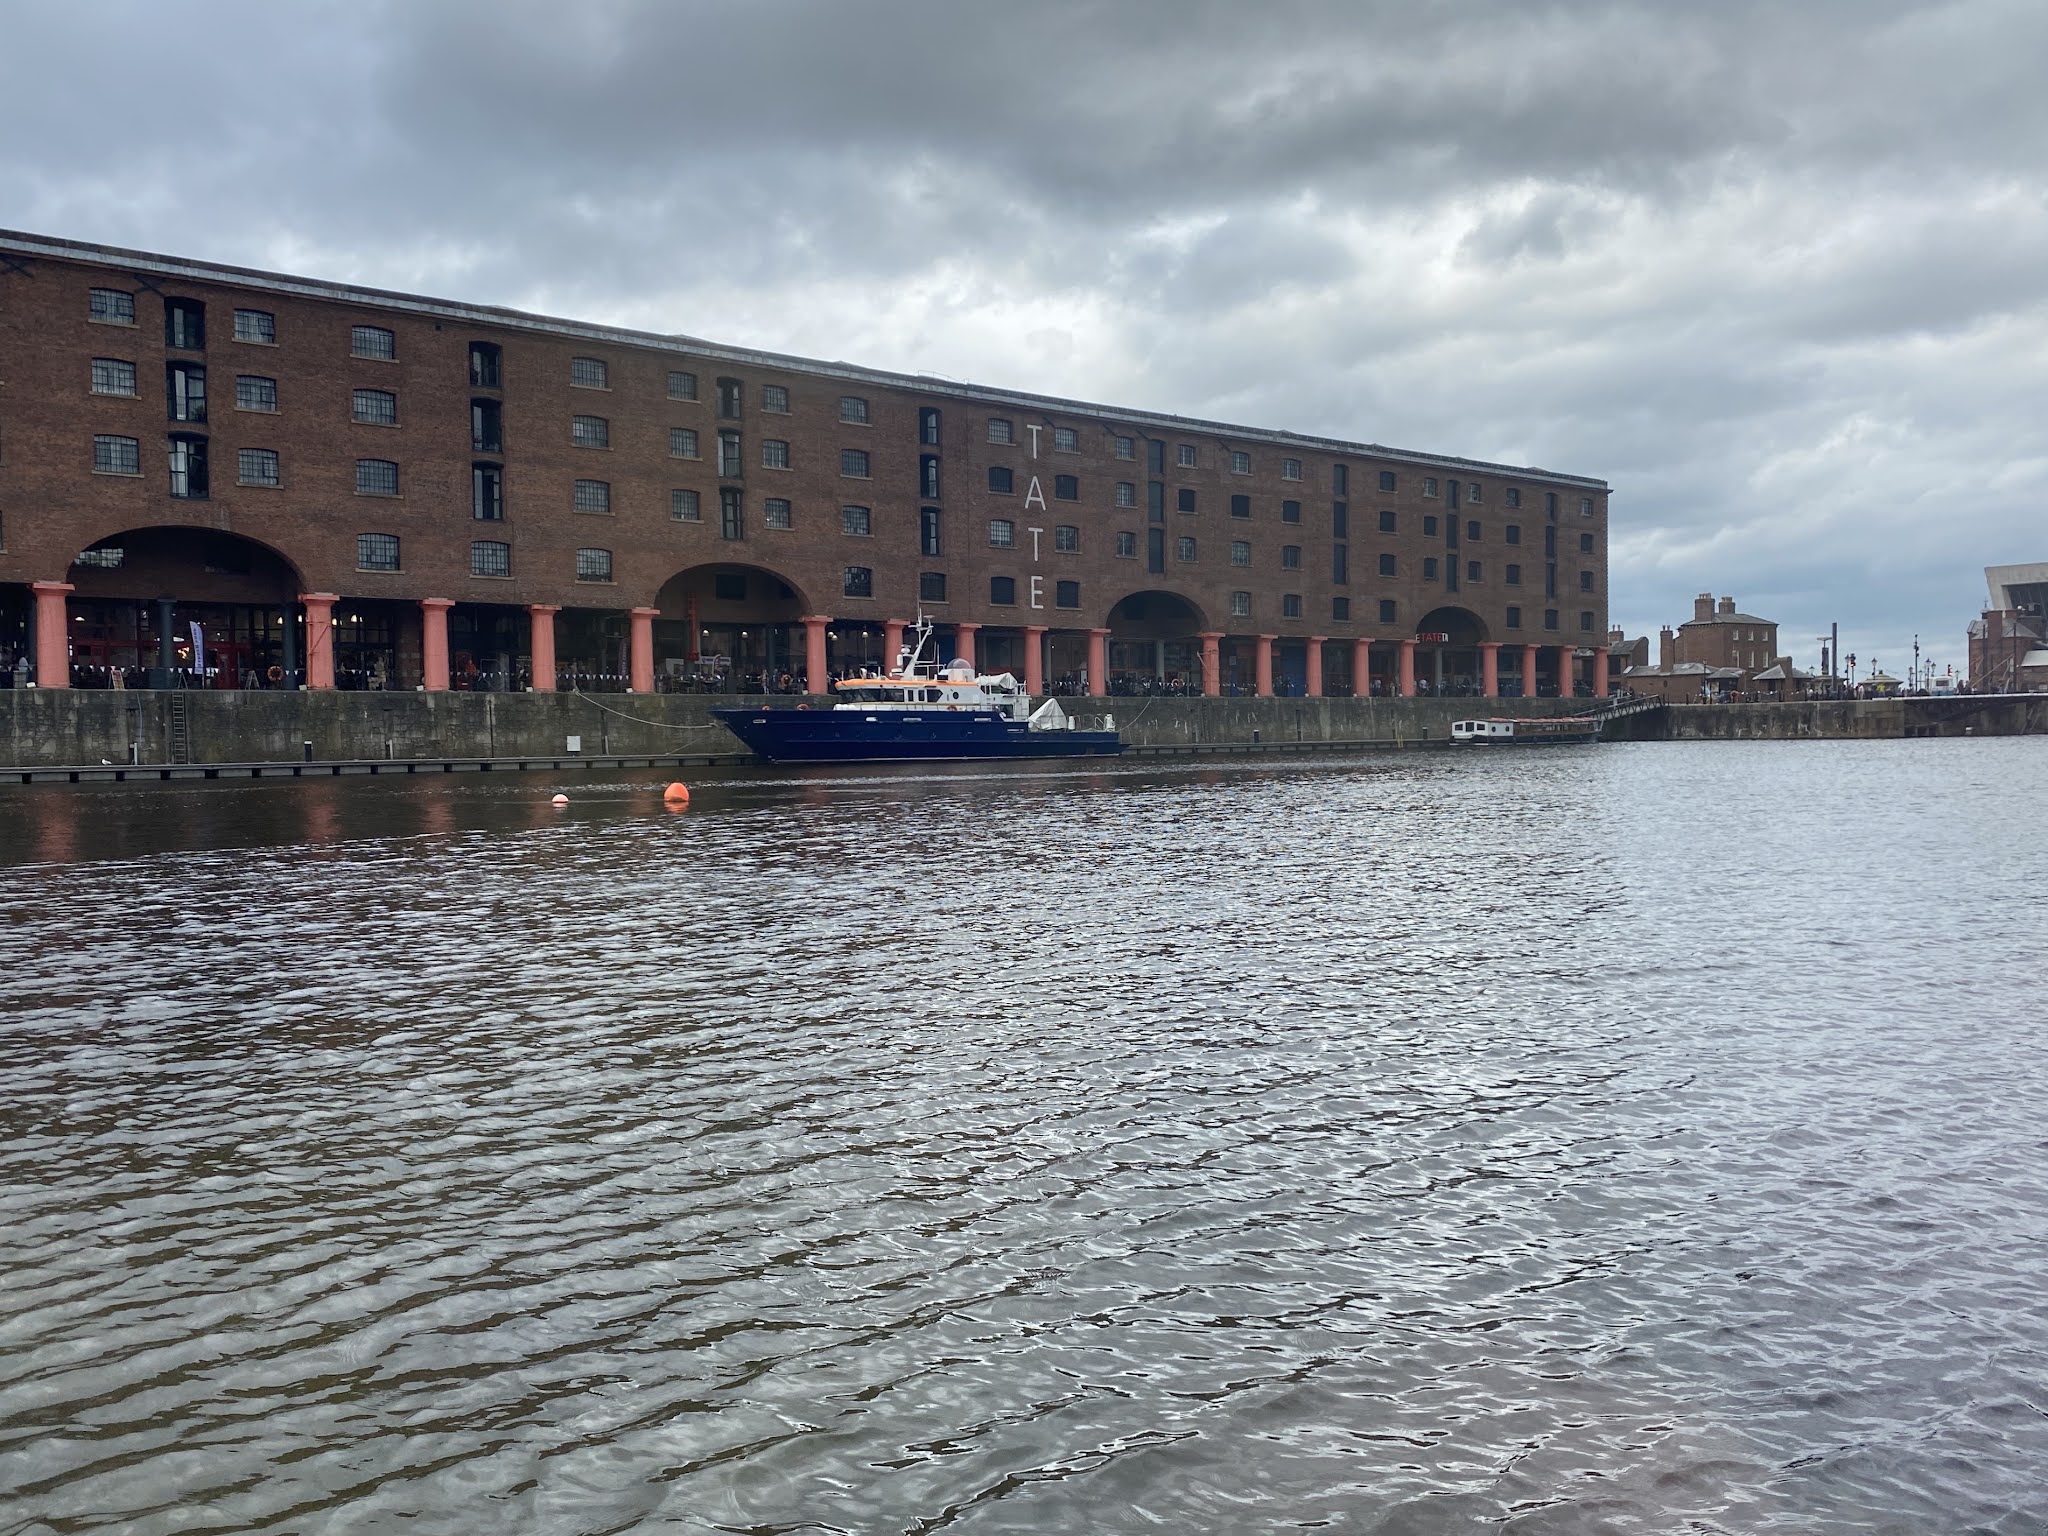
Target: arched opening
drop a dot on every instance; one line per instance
(1155, 644)
(1449, 662)
(172, 607)
(729, 628)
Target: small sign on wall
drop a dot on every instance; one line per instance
(575, 743)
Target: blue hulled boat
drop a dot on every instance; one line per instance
(920, 711)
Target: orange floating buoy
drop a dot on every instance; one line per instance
(676, 794)
(561, 800)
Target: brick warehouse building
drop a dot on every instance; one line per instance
(230, 478)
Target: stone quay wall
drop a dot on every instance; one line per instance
(1845, 719)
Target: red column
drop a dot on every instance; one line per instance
(53, 634)
(1034, 659)
(1098, 663)
(434, 642)
(1263, 665)
(1361, 669)
(1315, 666)
(1407, 669)
(640, 649)
(1564, 671)
(815, 672)
(963, 644)
(1528, 671)
(1599, 671)
(1489, 668)
(892, 642)
(543, 646)
(320, 639)
(1212, 662)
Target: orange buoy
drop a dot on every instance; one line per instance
(676, 794)
(561, 800)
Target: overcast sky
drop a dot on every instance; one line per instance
(1777, 271)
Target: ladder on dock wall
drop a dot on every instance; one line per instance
(180, 732)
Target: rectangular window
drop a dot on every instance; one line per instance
(859, 581)
(1585, 619)
(487, 493)
(1184, 455)
(774, 453)
(775, 513)
(1290, 557)
(1388, 609)
(1585, 543)
(1155, 456)
(376, 551)
(1429, 485)
(1290, 469)
(1155, 502)
(1429, 527)
(1127, 546)
(1340, 609)
(1001, 481)
(729, 455)
(1472, 493)
(116, 456)
(1184, 548)
(185, 325)
(1290, 605)
(1471, 532)
(1387, 565)
(593, 565)
(1472, 571)
(1340, 520)
(928, 424)
(1065, 440)
(682, 386)
(489, 557)
(1002, 533)
(1290, 511)
(1125, 448)
(1000, 430)
(1513, 496)
(1512, 575)
(486, 365)
(110, 306)
(931, 586)
(732, 517)
(1066, 594)
(1585, 506)
(1002, 590)
(372, 341)
(255, 393)
(256, 466)
(928, 476)
(376, 477)
(593, 496)
(1240, 463)
(1066, 539)
(1126, 494)
(929, 533)
(1429, 568)
(590, 432)
(1387, 481)
(775, 399)
(856, 520)
(376, 407)
(590, 373)
(1550, 618)
(684, 507)
(853, 410)
(1585, 581)
(853, 463)
(1514, 618)
(1184, 498)
(1512, 533)
(1340, 480)
(1066, 488)
(111, 376)
(185, 391)
(1240, 552)
(1240, 605)
(1340, 565)
(682, 442)
(1240, 506)
(729, 399)
(1550, 504)
(1387, 522)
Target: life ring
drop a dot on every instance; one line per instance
(275, 674)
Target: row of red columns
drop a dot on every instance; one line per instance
(53, 668)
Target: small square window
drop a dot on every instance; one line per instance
(1290, 605)
(1340, 609)
(1585, 543)
(1001, 481)
(1585, 620)
(256, 325)
(684, 507)
(1127, 546)
(1184, 548)
(774, 453)
(856, 520)
(775, 513)
(1290, 557)
(253, 393)
(1387, 481)
(1002, 590)
(1387, 522)
(1585, 581)
(257, 466)
(376, 551)
(1472, 493)
(1290, 469)
(775, 399)
(931, 586)
(1240, 552)
(1065, 440)
(110, 306)
(1066, 488)
(590, 373)
(590, 432)
(859, 581)
(1126, 448)
(1550, 618)
(116, 456)
(372, 341)
(1429, 527)
(1184, 498)
(593, 565)
(111, 376)
(1002, 533)
(1429, 568)
(593, 496)
(1512, 533)
(376, 477)
(853, 409)
(1387, 565)
(1066, 594)
(1126, 494)
(1240, 605)
(1290, 511)
(1585, 506)
(487, 557)
(1184, 455)
(1472, 571)
(1511, 574)
(1513, 496)
(1429, 486)
(1240, 463)
(1066, 539)
(1388, 610)
(853, 463)
(1000, 431)
(682, 443)
(682, 386)
(1240, 506)
(1514, 618)
(376, 407)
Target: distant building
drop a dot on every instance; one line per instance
(1720, 652)
(2009, 643)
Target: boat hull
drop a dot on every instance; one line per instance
(851, 736)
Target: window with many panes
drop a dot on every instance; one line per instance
(859, 581)
(376, 477)
(590, 432)
(1126, 448)
(1512, 495)
(589, 373)
(111, 376)
(1586, 619)
(1240, 463)
(1066, 594)
(1065, 440)
(1066, 539)
(372, 341)
(487, 493)
(486, 365)
(376, 407)
(1002, 590)
(1002, 533)
(1001, 481)
(775, 399)
(1386, 480)
(1290, 557)
(732, 516)
(1240, 552)
(856, 520)
(931, 586)
(775, 513)
(256, 466)
(255, 393)
(593, 496)
(257, 326)
(1240, 605)
(729, 455)
(1290, 469)
(1472, 571)
(853, 409)
(185, 391)
(1184, 548)
(110, 306)
(490, 557)
(1184, 455)
(1184, 499)
(1126, 494)
(1066, 488)
(684, 506)
(376, 551)
(116, 456)
(1585, 506)
(593, 565)
(774, 453)
(1127, 546)
(1000, 430)
(1290, 605)
(853, 463)
(682, 442)
(682, 386)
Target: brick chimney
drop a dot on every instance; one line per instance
(1664, 640)
(1703, 608)
(1728, 607)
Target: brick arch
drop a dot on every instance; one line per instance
(1156, 613)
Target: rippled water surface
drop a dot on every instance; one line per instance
(1632, 1138)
